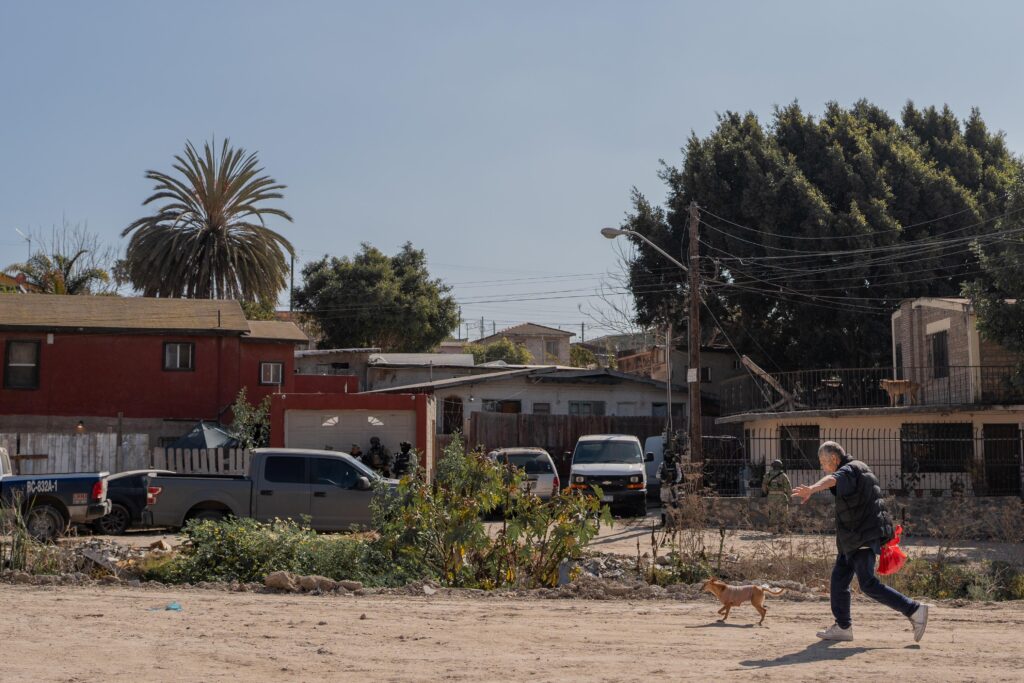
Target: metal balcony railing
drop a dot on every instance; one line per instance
(835, 388)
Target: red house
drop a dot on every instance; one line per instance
(134, 365)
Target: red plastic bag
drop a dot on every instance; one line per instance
(892, 558)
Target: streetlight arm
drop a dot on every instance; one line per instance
(656, 248)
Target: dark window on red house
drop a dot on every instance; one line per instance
(271, 372)
(179, 356)
(21, 365)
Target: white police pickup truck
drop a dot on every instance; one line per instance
(49, 503)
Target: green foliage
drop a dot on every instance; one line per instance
(581, 357)
(437, 529)
(259, 310)
(246, 550)
(503, 349)
(998, 293)
(251, 424)
(853, 179)
(425, 530)
(375, 300)
(59, 273)
(209, 240)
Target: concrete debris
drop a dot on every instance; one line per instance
(161, 545)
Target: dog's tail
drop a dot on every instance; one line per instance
(769, 591)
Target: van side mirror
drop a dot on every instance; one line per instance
(363, 484)
(649, 457)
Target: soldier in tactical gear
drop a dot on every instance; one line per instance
(777, 487)
(405, 460)
(378, 458)
(671, 475)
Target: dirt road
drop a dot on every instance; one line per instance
(109, 634)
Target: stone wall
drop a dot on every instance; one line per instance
(993, 518)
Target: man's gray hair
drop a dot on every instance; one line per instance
(833, 448)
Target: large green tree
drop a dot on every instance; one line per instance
(998, 291)
(208, 239)
(813, 229)
(376, 300)
(502, 349)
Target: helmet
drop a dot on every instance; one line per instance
(777, 465)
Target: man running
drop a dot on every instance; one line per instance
(862, 526)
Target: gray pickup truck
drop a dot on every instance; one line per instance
(332, 489)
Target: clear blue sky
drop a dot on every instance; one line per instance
(499, 137)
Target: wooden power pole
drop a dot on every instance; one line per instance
(693, 371)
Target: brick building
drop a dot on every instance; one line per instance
(936, 344)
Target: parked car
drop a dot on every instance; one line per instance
(536, 463)
(332, 489)
(615, 463)
(126, 492)
(51, 502)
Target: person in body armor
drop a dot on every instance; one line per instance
(777, 487)
(671, 476)
(378, 458)
(862, 525)
(405, 460)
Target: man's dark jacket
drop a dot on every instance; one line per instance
(861, 518)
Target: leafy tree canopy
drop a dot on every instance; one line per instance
(813, 229)
(502, 349)
(998, 291)
(582, 357)
(376, 300)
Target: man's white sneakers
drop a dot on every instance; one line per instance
(834, 632)
(919, 620)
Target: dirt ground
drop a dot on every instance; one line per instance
(74, 635)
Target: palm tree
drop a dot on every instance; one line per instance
(209, 240)
(58, 274)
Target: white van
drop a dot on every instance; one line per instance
(616, 464)
(654, 450)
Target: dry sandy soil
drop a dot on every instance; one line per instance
(71, 634)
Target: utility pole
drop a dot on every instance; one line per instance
(482, 333)
(693, 371)
(668, 382)
(583, 334)
(291, 287)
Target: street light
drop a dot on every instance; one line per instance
(612, 233)
(27, 238)
(693, 371)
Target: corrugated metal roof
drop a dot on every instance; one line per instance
(52, 311)
(457, 359)
(276, 330)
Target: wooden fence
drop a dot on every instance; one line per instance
(42, 453)
(201, 460)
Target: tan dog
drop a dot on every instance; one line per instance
(734, 596)
(900, 387)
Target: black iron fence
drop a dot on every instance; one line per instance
(873, 388)
(918, 459)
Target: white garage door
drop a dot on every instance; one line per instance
(339, 429)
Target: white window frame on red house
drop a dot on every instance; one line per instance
(177, 365)
(271, 365)
(11, 383)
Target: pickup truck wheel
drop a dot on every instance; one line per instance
(45, 522)
(115, 522)
(208, 515)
